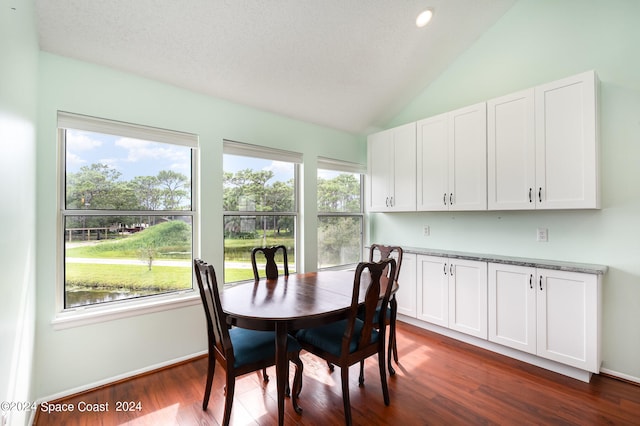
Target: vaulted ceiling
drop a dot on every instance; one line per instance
(346, 64)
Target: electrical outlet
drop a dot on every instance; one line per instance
(542, 235)
(426, 231)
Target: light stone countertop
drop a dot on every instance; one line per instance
(587, 268)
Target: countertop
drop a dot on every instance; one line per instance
(587, 268)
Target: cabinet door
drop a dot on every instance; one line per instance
(379, 151)
(433, 163)
(433, 294)
(511, 151)
(406, 295)
(468, 297)
(512, 306)
(567, 143)
(567, 318)
(468, 158)
(403, 194)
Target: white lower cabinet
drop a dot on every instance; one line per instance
(452, 293)
(549, 313)
(406, 294)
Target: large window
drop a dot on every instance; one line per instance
(340, 217)
(260, 205)
(127, 210)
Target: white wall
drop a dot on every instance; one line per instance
(535, 42)
(77, 357)
(18, 96)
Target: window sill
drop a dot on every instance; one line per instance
(79, 317)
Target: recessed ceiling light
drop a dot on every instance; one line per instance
(424, 18)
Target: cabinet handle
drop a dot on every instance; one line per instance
(391, 202)
(444, 199)
(445, 269)
(530, 195)
(386, 201)
(531, 281)
(451, 269)
(540, 282)
(451, 199)
(540, 194)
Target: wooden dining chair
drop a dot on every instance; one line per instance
(239, 351)
(271, 267)
(380, 252)
(349, 341)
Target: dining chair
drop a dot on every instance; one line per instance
(351, 340)
(381, 252)
(271, 268)
(239, 351)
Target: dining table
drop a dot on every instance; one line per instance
(293, 302)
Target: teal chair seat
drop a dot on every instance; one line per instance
(329, 337)
(251, 346)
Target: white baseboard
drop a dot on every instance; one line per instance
(120, 377)
(621, 376)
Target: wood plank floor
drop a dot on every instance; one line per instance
(440, 381)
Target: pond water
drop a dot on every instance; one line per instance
(88, 297)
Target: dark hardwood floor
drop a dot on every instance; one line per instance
(440, 381)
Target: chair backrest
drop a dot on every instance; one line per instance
(385, 252)
(379, 273)
(217, 329)
(271, 269)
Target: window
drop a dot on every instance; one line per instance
(340, 217)
(127, 210)
(260, 205)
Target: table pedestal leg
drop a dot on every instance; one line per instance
(281, 368)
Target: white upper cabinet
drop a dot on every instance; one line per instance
(543, 147)
(392, 169)
(511, 152)
(451, 152)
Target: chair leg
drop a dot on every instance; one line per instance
(228, 400)
(211, 369)
(345, 395)
(265, 376)
(392, 336)
(297, 382)
(361, 378)
(383, 376)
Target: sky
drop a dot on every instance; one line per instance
(135, 157)
(131, 157)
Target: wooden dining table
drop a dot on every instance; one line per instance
(291, 303)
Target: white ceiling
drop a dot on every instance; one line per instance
(347, 64)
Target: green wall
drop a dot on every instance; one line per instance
(18, 107)
(77, 357)
(538, 41)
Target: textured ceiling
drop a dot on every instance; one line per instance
(347, 64)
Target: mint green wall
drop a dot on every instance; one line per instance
(535, 42)
(18, 107)
(80, 356)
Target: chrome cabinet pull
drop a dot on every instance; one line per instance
(444, 269)
(530, 195)
(531, 281)
(444, 199)
(391, 202)
(451, 199)
(540, 282)
(451, 269)
(540, 194)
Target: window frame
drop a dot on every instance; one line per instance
(88, 314)
(265, 153)
(331, 164)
